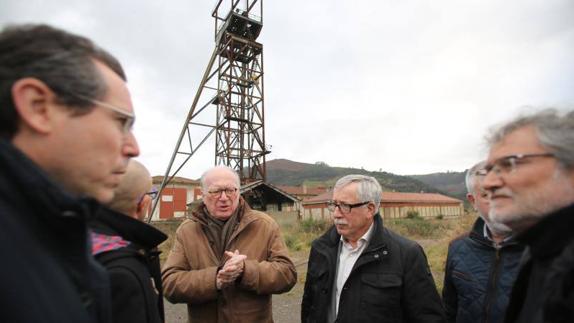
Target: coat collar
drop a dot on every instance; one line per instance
(549, 236)
(378, 239)
(245, 214)
(477, 234)
(114, 223)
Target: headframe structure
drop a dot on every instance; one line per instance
(233, 84)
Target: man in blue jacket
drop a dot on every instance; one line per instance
(482, 265)
(65, 141)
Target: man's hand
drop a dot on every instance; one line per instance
(232, 269)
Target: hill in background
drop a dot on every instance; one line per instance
(451, 183)
(287, 172)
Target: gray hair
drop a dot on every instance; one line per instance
(470, 178)
(555, 132)
(368, 189)
(204, 187)
(63, 61)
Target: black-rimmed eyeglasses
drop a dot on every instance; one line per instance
(344, 207)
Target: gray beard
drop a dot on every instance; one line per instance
(534, 206)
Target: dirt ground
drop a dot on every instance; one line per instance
(286, 307)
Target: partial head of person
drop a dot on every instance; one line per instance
(220, 186)
(356, 200)
(530, 168)
(135, 193)
(478, 198)
(65, 104)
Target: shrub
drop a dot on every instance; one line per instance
(311, 225)
(418, 227)
(440, 216)
(413, 215)
(292, 242)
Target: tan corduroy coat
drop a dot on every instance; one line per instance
(190, 270)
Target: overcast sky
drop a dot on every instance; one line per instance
(409, 87)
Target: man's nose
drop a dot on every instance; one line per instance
(131, 147)
(224, 195)
(491, 181)
(337, 212)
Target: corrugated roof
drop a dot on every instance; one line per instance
(300, 190)
(394, 197)
(175, 180)
(251, 186)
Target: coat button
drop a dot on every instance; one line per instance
(385, 252)
(376, 256)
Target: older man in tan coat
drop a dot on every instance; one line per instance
(227, 259)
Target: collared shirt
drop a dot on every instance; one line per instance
(347, 258)
(488, 236)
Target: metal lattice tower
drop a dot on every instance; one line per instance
(233, 84)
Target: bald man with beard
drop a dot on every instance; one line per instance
(127, 248)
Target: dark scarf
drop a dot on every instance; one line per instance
(219, 231)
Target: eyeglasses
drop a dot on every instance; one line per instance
(229, 191)
(344, 207)
(509, 164)
(153, 194)
(127, 119)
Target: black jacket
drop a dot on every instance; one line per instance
(479, 277)
(390, 282)
(47, 272)
(134, 269)
(544, 288)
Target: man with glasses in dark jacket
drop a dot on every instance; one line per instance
(360, 271)
(481, 266)
(65, 141)
(530, 183)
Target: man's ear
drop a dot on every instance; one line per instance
(373, 209)
(143, 207)
(472, 200)
(33, 101)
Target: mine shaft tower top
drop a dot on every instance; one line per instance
(233, 84)
(240, 135)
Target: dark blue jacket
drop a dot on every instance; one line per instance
(390, 282)
(479, 277)
(47, 272)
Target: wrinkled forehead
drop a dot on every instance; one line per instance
(220, 178)
(347, 191)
